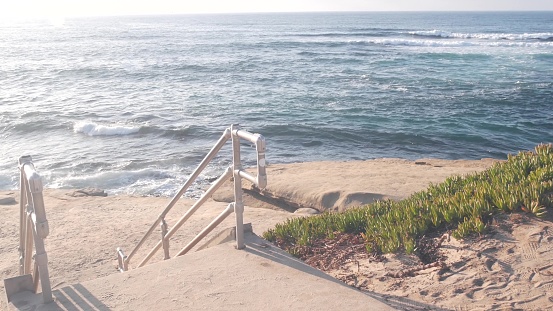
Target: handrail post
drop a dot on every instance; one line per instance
(238, 202)
(121, 260)
(164, 240)
(29, 236)
(28, 243)
(260, 148)
(22, 213)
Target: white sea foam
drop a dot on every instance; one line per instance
(433, 43)
(488, 36)
(109, 179)
(94, 129)
(452, 43)
(146, 181)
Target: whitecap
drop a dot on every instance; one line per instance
(453, 43)
(94, 129)
(484, 36)
(430, 43)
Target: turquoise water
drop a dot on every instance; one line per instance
(132, 104)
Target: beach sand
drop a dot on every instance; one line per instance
(510, 268)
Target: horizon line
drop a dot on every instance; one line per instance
(300, 12)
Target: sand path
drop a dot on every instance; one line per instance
(511, 269)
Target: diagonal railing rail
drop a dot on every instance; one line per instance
(236, 171)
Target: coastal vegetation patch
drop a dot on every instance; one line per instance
(461, 205)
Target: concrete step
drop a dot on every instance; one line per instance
(260, 277)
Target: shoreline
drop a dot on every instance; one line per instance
(459, 166)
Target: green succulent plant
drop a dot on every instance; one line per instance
(522, 183)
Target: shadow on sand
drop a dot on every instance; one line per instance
(260, 247)
(69, 298)
(78, 297)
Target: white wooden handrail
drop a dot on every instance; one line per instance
(260, 180)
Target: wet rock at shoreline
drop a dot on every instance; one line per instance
(89, 192)
(8, 199)
(307, 211)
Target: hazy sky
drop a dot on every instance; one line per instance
(29, 8)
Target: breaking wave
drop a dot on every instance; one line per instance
(94, 129)
(451, 43)
(543, 36)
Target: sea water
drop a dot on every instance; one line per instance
(132, 104)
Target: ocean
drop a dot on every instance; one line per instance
(132, 104)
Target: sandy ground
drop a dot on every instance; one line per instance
(85, 231)
(510, 268)
(338, 185)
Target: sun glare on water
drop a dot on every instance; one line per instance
(56, 10)
(52, 12)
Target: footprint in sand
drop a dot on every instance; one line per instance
(530, 250)
(545, 284)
